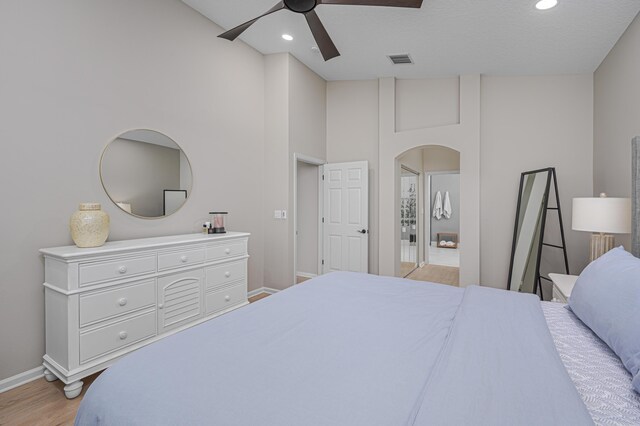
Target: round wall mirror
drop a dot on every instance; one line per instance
(146, 174)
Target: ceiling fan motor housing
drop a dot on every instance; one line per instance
(300, 6)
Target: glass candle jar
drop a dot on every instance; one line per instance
(218, 222)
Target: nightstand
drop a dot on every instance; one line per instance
(562, 286)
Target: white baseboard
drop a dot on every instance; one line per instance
(306, 275)
(262, 290)
(21, 379)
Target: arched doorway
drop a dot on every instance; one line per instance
(463, 137)
(430, 207)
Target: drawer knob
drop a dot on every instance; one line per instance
(122, 301)
(122, 269)
(227, 274)
(123, 335)
(227, 251)
(184, 259)
(161, 305)
(227, 298)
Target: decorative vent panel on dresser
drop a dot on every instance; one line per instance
(102, 303)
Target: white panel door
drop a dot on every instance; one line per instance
(346, 217)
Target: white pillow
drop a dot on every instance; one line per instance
(606, 298)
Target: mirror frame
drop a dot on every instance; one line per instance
(545, 203)
(104, 150)
(417, 176)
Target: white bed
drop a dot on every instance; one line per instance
(352, 349)
(598, 374)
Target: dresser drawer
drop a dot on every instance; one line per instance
(221, 275)
(105, 304)
(231, 249)
(115, 336)
(92, 273)
(226, 298)
(178, 259)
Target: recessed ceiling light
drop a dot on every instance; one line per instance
(287, 37)
(546, 4)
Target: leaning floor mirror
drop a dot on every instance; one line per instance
(529, 229)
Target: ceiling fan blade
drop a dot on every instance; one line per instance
(390, 3)
(325, 44)
(233, 33)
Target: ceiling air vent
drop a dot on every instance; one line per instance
(401, 59)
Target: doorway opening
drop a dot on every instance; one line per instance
(307, 183)
(438, 238)
(330, 217)
(444, 205)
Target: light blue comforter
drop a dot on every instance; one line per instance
(349, 349)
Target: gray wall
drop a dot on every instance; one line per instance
(295, 123)
(352, 135)
(530, 123)
(74, 75)
(138, 173)
(443, 183)
(526, 123)
(440, 159)
(617, 117)
(438, 105)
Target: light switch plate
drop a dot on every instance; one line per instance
(284, 214)
(277, 214)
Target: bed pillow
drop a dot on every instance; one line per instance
(606, 298)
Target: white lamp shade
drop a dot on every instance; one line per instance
(604, 215)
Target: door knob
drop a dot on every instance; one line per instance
(363, 231)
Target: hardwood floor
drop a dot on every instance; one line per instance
(42, 403)
(437, 274)
(406, 268)
(258, 297)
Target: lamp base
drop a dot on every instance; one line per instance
(600, 244)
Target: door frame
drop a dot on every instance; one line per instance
(314, 162)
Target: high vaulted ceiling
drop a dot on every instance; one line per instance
(444, 37)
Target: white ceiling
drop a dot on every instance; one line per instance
(444, 37)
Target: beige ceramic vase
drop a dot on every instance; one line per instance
(89, 226)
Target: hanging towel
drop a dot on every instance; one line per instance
(437, 206)
(447, 206)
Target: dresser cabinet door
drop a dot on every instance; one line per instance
(179, 299)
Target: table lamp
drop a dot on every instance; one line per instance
(602, 216)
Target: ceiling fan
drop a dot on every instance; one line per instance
(306, 7)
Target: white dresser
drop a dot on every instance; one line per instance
(102, 303)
